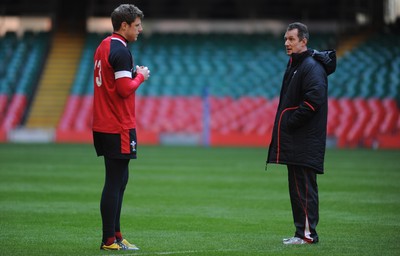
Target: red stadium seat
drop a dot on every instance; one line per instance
(70, 112)
(390, 121)
(371, 130)
(84, 117)
(15, 111)
(333, 116)
(362, 112)
(3, 105)
(346, 120)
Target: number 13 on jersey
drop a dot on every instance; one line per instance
(97, 67)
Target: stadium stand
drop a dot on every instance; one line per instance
(21, 65)
(243, 97)
(225, 85)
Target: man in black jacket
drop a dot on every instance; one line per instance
(299, 134)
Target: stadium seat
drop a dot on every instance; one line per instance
(375, 119)
(346, 120)
(3, 105)
(70, 112)
(15, 111)
(84, 116)
(333, 115)
(356, 131)
(391, 118)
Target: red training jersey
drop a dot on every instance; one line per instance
(114, 87)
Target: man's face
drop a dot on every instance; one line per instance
(133, 30)
(292, 42)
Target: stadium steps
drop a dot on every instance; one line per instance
(55, 84)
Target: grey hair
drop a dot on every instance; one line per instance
(301, 28)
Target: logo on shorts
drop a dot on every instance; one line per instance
(133, 144)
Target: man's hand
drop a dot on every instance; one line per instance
(144, 71)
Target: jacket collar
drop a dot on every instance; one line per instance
(297, 58)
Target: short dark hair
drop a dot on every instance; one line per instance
(125, 12)
(301, 28)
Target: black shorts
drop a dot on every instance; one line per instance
(118, 146)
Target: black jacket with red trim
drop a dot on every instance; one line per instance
(299, 133)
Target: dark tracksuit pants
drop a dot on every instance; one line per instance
(303, 191)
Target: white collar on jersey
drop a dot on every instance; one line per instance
(122, 41)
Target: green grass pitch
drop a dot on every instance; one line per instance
(194, 201)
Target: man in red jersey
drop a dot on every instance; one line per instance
(114, 133)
